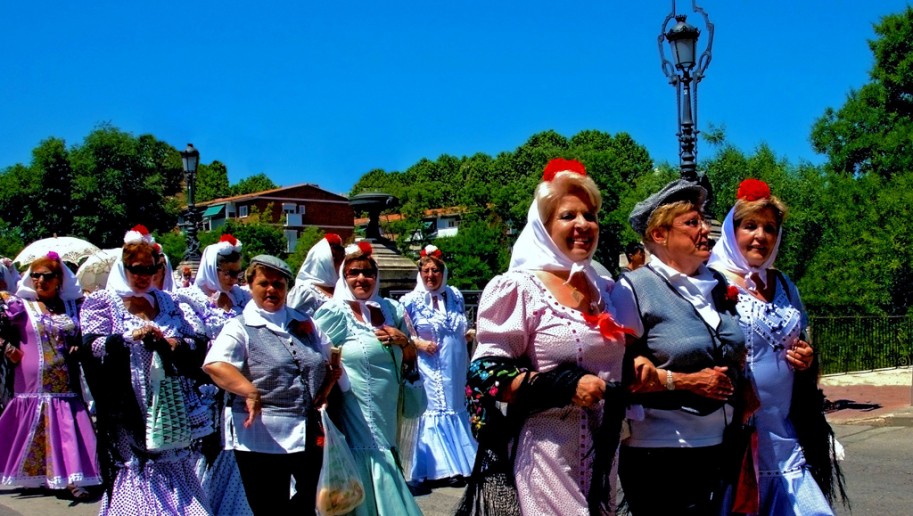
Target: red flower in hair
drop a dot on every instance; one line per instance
(562, 165)
(431, 250)
(141, 229)
(365, 247)
(607, 326)
(158, 247)
(333, 239)
(752, 190)
(229, 238)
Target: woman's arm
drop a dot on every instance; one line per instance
(228, 377)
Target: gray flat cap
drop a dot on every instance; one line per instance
(273, 263)
(678, 190)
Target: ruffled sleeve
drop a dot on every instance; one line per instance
(506, 318)
(331, 319)
(97, 320)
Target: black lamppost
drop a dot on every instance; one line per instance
(191, 158)
(685, 74)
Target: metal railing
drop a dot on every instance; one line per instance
(862, 343)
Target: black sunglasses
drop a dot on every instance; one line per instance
(354, 273)
(231, 274)
(142, 270)
(47, 276)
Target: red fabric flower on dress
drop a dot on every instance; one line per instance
(607, 326)
(333, 239)
(301, 329)
(752, 190)
(732, 294)
(553, 167)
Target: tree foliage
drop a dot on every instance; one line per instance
(254, 183)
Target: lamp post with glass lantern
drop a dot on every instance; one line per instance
(685, 74)
(191, 158)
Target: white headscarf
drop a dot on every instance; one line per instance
(208, 276)
(168, 285)
(342, 291)
(421, 288)
(726, 255)
(117, 279)
(10, 274)
(536, 251)
(318, 267)
(69, 287)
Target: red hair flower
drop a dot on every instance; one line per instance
(365, 247)
(607, 326)
(141, 229)
(333, 239)
(553, 167)
(752, 190)
(431, 250)
(229, 238)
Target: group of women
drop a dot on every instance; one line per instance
(690, 379)
(703, 374)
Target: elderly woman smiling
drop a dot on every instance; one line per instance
(275, 363)
(690, 352)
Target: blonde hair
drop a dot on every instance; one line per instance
(743, 209)
(137, 251)
(424, 260)
(663, 216)
(548, 193)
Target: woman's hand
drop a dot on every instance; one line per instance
(590, 390)
(391, 336)
(253, 405)
(646, 376)
(425, 346)
(709, 382)
(800, 356)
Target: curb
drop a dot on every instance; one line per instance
(900, 420)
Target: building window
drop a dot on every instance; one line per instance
(242, 211)
(289, 207)
(301, 209)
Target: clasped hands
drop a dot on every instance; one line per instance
(710, 382)
(151, 335)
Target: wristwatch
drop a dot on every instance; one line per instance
(670, 383)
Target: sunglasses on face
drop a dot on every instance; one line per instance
(46, 276)
(368, 273)
(231, 274)
(142, 270)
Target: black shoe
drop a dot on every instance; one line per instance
(456, 481)
(418, 488)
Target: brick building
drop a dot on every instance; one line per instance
(294, 208)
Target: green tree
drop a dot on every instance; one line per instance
(173, 244)
(476, 254)
(212, 182)
(255, 183)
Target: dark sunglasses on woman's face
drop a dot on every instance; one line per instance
(142, 270)
(354, 273)
(46, 276)
(231, 274)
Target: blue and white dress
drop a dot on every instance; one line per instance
(444, 446)
(785, 483)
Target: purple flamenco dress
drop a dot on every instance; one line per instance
(47, 435)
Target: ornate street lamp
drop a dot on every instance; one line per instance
(685, 74)
(191, 158)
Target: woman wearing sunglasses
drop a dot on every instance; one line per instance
(379, 360)
(144, 356)
(46, 430)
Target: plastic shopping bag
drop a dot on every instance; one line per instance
(339, 489)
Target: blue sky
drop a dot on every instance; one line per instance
(323, 92)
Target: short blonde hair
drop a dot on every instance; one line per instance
(424, 260)
(663, 216)
(743, 209)
(548, 193)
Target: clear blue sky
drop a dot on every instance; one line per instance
(323, 92)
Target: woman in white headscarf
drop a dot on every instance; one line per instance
(46, 430)
(796, 473)
(378, 357)
(317, 276)
(144, 355)
(550, 350)
(445, 449)
(215, 295)
(9, 276)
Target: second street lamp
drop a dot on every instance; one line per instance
(191, 158)
(685, 74)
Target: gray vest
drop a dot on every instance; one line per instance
(286, 372)
(677, 338)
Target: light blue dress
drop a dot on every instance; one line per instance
(786, 485)
(371, 408)
(445, 447)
